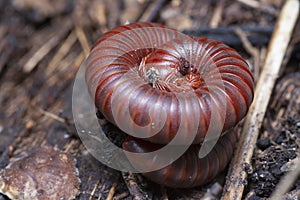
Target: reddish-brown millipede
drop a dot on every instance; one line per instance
(157, 84)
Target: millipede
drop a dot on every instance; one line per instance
(156, 84)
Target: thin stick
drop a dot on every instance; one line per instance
(153, 10)
(217, 14)
(92, 195)
(83, 40)
(250, 49)
(286, 182)
(53, 116)
(259, 5)
(61, 53)
(112, 190)
(41, 53)
(134, 188)
(121, 196)
(285, 24)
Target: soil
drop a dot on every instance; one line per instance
(44, 42)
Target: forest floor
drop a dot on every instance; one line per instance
(43, 44)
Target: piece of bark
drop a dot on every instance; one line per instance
(43, 174)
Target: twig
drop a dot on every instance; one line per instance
(250, 49)
(40, 54)
(259, 5)
(151, 13)
(217, 14)
(5, 54)
(61, 53)
(6, 47)
(53, 116)
(92, 195)
(99, 14)
(3, 36)
(134, 188)
(37, 54)
(251, 3)
(83, 40)
(142, 10)
(294, 194)
(286, 21)
(121, 196)
(286, 182)
(112, 190)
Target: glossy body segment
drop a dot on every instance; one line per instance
(188, 170)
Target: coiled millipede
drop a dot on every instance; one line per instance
(158, 84)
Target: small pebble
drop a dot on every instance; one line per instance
(263, 143)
